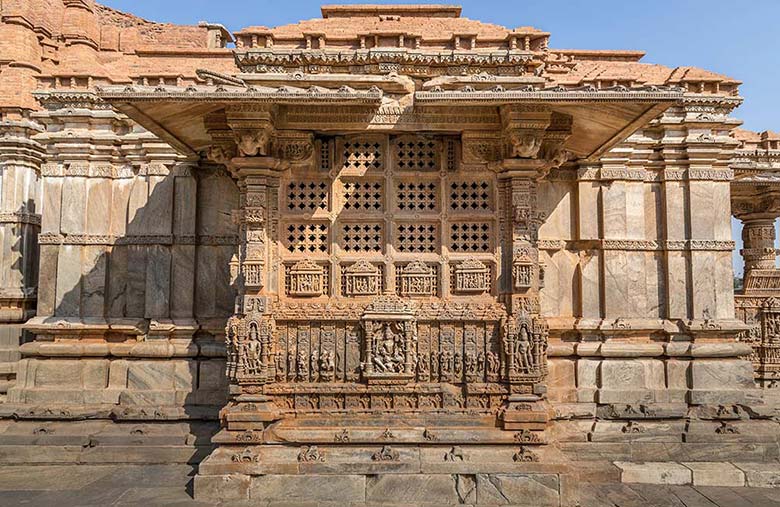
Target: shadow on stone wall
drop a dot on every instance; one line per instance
(139, 317)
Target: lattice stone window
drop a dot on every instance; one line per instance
(309, 237)
(470, 196)
(362, 278)
(307, 196)
(417, 238)
(451, 152)
(306, 279)
(325, 154)
(363, 196)
(470, 237)
(416, 154)
(417, 279)
(362, 237)
(362, 155)
(417, 196)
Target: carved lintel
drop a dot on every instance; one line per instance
(481, 147)
(293, 146)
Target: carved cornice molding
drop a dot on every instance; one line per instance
(119, 171)
(70, 99)
(694, 101)
(245, 94)
(49, 238)
(558, 93)
(599, 173)
(20, 217)
(399, 60)
(636, 245)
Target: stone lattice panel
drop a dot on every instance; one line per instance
(306, 237)
(416, 154)
(362, 237)
(360, 155)
(307, 196)
(470, 237)
(363, 196)
(470, 196)
(417, 238)
(419, 197)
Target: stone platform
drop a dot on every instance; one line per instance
(389, 474)
(171, 485)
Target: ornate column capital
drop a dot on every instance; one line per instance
(533, 139)
(253, 128)
(754, 203)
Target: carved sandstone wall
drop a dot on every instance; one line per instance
(137, 240)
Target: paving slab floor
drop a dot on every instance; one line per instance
(171, 485)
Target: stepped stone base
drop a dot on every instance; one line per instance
(11, 336)
(388, 475)
(751, 474)
(104, 442)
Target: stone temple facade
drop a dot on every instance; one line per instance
(392, 255)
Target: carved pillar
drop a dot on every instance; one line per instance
(758, 208)
(249, 332)
(532, 140)
(758, 239)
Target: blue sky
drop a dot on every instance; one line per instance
(739, 39)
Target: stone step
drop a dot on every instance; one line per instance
(703, 473)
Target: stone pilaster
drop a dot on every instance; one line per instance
(249, 333)
(20, 222)
(532, 144)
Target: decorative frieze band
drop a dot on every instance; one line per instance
(640, 174)
(109, 240)
(636, 245)
(19, 217)
(111, 171)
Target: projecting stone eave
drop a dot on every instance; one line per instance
(177, 114)
(601, 118)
